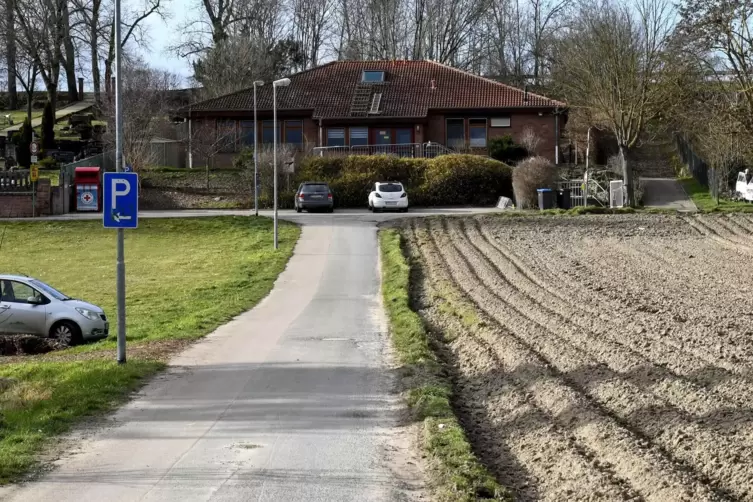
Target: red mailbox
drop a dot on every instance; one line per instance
(88, 188)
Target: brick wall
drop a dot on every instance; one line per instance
(543, 126)
(20, 206)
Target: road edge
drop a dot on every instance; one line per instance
(455, 473)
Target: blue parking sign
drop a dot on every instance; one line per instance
(120, 200)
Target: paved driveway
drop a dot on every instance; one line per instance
(291, 401)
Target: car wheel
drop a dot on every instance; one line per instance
(297, 209)
(66, 332)
(330, 210)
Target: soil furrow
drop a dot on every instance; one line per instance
(606, 369)
(736, 227)
(582, 377)
(718, 235)
(672, 375)
(512, 435)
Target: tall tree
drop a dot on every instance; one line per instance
(611, 63)
(68, 56)
(10, 52)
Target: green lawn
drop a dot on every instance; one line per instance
(18, 116)
(702, 198)
(184, 278)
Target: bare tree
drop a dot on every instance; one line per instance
(311, 21)
(209, 138)
(27, 73)
(43, 29)
(611, 63)
(9, 29)
(145, 109)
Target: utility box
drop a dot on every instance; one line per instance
(88, 183)
(547, 198)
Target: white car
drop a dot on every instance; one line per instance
(29, 306)
(388, 195)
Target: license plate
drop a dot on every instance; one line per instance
(392, 203)
(316, 196)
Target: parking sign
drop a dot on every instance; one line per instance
(121, 200)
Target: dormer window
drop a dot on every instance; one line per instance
(372, 76)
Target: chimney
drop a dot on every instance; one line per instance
(81, 88)
(433, 84)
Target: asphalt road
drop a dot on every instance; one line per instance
(291, 401)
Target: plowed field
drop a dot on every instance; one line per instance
(598, 357)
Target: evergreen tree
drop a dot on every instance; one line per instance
(48, 127)
(22, 139)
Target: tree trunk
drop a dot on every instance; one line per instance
(627, 174)
(10, 41)
(52, 96)
(69, 62)
(108, 65)
(94, 41)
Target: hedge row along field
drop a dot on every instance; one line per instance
(448, 179)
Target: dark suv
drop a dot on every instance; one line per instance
(313, 195)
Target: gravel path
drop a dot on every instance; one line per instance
(610, 358)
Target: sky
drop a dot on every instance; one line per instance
(162, 34)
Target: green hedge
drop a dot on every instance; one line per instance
(444, 180)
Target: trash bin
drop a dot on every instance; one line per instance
(563, 198)
(546, 198)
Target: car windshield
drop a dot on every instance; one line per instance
(390, 187)
(314, 189)
(45, 288)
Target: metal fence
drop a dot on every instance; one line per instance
(416, 150)
(580, 196)
(16, 182)
(696, 165)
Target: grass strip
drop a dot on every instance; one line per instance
(456, 473)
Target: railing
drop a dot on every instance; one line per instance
(15, 182)
(580, 196)
(417, 150)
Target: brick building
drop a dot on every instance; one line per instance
(375, 106)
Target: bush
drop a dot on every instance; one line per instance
(448, 179)
(48, 128)
(530, 175)
(48, 163)
(505, 150)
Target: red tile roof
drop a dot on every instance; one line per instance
(407, 92)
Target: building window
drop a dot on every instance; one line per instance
(226, 135)
(294, 132)
(501, 122)
(268, 131)
(359, 136)
(247, 132)
(372, 76)
(336, 137)
(403, 136)
(455, 133)
(477, 132)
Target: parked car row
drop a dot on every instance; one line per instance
(382, 196)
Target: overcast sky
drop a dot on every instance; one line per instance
(165, 33)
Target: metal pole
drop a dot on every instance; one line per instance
(588, 149)
(256, 162)
(120, 266)
(274, 154)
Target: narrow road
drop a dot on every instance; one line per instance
(666, 193)
(291, 401)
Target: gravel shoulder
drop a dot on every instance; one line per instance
(597, 357)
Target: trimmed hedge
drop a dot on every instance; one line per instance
(444, 180)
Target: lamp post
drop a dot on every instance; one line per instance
(257, 83)
(283, 82)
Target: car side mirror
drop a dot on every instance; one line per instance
(34, 300)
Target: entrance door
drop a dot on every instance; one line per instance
(381, 138)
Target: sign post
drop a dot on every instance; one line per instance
(120, 209)
(113, 198)
(34, 150)
(34, 176)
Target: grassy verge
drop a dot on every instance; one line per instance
(702, 198)
(457, 474)
(184, 278)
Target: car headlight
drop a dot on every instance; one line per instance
(377, 196)
(92, 316)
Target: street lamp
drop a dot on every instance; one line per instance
(283, 82)
(257, 83)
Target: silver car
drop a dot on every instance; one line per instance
(29, 306)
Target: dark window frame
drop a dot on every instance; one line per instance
(344, 136)
(373, 72)
(447, 131)
(290, 127)
(478, 126)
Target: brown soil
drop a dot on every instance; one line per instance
(598, 357)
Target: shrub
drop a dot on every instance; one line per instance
(448, 179)
(505, 150)
(22, 140)
(530, 141)
(48, 163)
(48, 127)
(530, 175)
